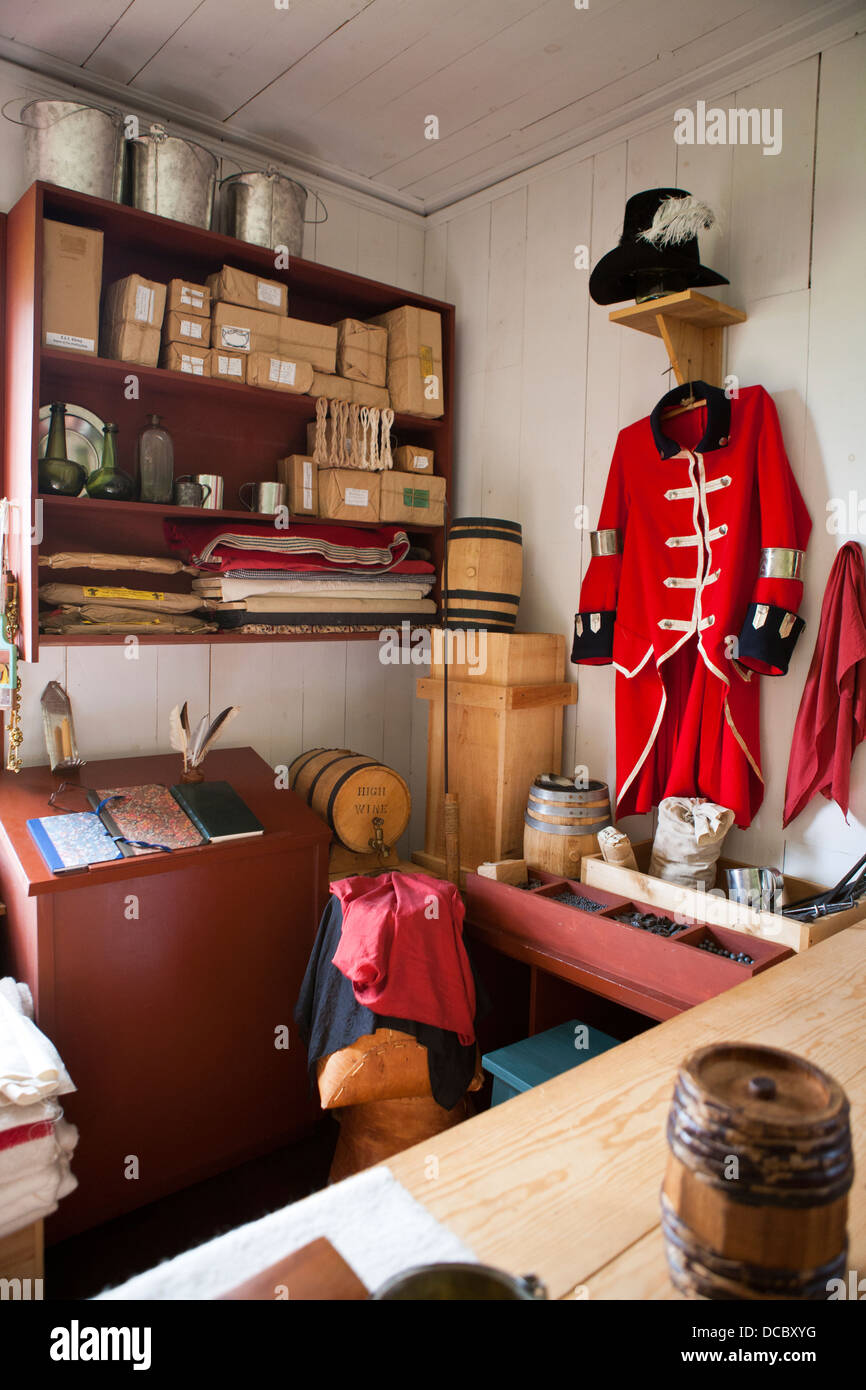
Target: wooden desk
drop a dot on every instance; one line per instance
(162, 980)
(563, 1181)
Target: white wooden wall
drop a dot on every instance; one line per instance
(546, 382)
(293, 696)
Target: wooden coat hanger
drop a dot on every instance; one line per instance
(689, 402)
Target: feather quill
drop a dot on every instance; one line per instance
(196, 741)
(176, 733)
(677, 220)
(217, 729)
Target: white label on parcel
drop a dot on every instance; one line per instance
(282, 371)
(269, 294)
(144, 304)
(420, 462)
(234, 337)
(190, 328)
(308, 484)
(194, 298)
(357, 497)
(229, 366)
(68, 340)
(192, 364)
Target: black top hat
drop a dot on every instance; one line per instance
(658, 250)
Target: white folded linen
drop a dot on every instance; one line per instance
(18, 994)
(30, 1066)
(12, 1116)
(32, 1198)
(231, 590)
(372, 1221)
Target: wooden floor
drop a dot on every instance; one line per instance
(86, 1264)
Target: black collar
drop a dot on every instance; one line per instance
(718, 428)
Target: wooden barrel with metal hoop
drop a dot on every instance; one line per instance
(353, 793)
(755, 1197)
(484, 574)
(562, 822)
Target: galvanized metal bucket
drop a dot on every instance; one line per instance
(266, 208)
(73, 145)
(172, 177)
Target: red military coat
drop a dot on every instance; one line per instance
(691, 592)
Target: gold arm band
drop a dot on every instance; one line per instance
(779, 563)
(604, 542)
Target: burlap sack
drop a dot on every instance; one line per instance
(688, 841)
(153, 601)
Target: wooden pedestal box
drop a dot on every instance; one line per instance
(506, 694)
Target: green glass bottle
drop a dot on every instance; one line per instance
(108, 483)
(57, 472)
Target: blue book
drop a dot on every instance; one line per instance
(71, 842)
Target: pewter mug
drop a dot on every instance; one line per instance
(189, 493)
(760, 889)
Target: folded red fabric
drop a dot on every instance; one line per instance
(402, 948)
(831, 720)
(215, 545)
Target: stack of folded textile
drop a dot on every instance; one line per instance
(312, 578)
(36, 1143)
(81, 607)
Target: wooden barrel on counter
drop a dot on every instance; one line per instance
(755, 1197)
(482, 580)
(352, 792)
(562, 822)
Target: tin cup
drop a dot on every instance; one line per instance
(760, 889)
(216, 487)
(266, 498)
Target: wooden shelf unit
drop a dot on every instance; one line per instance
(221, 427)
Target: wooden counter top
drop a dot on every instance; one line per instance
(564, 1181)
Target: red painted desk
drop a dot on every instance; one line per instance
(167, 1021)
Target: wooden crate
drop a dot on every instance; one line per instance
(504, 729)
(715, 907)
(673, 969)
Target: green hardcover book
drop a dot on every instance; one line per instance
(217, 811)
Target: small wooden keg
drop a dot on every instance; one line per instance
(755, 1197)
(484, 574)
(352, 792)
(562, 822)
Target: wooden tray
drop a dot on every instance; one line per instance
(715, 907)
(675, 968)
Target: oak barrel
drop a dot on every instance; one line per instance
(352, 792)
(562, 821)
(755, 1196)
(484, 574)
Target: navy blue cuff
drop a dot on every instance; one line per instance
(593, 647)
(768, 647)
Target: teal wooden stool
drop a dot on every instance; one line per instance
(527, 1063)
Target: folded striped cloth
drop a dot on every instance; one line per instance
(215, 547)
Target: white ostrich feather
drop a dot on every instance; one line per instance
(678, 220)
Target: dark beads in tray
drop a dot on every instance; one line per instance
(651, 922)
(578, 900)
(739, 956)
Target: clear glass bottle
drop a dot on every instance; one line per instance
(155, 462)
(108, 483)
(57, 472)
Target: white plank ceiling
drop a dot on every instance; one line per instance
(348, 84)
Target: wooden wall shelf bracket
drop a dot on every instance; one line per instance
(691, 326)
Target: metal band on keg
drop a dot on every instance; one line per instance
(780, 563)
(591, 827)
(575, 797)
(490, 594)
(341, 755)
(605, 542)
(462, 533)
(341, 782)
